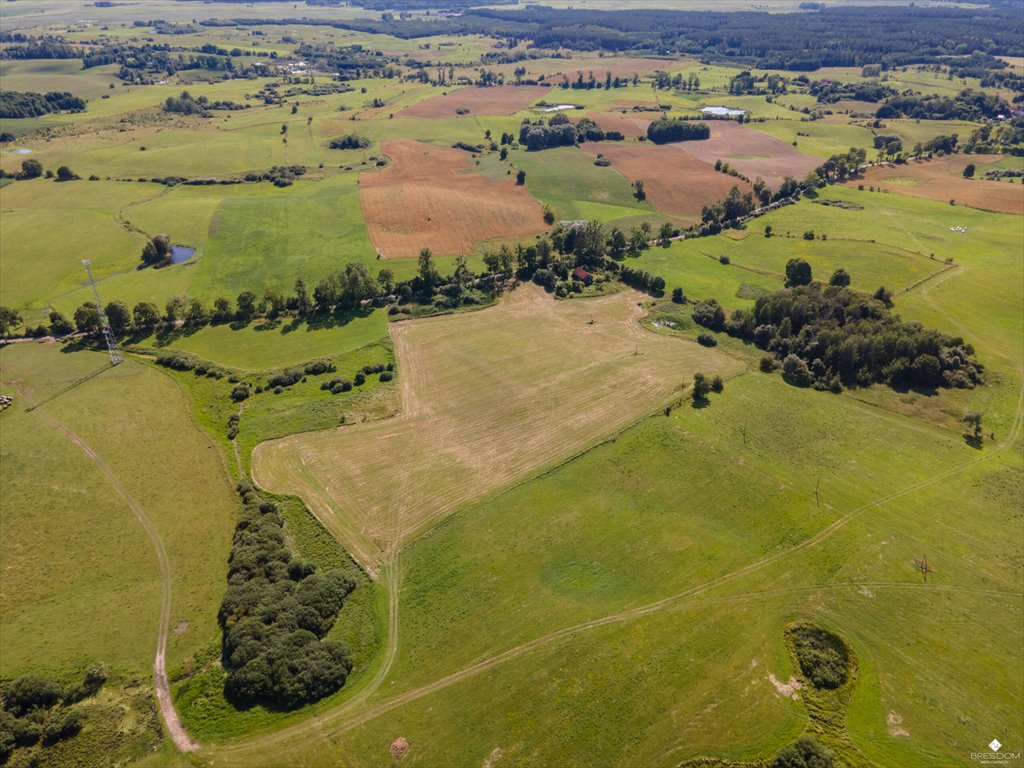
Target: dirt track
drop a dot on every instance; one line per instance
(175, 730)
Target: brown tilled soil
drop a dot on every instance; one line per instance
(619, 67)
(677, 183)
(499, 100)
(431, 197)
(942, 179)
(630, 124)
(751, 152)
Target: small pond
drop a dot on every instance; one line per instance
(181, 253)
(20, 151)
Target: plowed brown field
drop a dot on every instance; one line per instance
(431, 197)
(942, 179)
(677, 183)
(499, 100)
(751, 152)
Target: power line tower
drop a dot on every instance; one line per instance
(115, 351)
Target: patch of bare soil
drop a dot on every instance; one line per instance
(399, 747)
(432, 197)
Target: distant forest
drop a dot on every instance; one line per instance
(849, 36)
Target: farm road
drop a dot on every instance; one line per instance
(163, 693)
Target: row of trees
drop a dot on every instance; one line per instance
(274, 615)
(17, 104)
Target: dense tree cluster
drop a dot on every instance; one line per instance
(831, 91)
(274, 615)
(966, 105)
(823, 656)
(806, 752)
(558, 132)
(349, 141)
(833, 337)
(37, 713)
(665, 130)
(18, 104)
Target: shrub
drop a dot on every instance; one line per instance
(180, 361)
(707, 340)
(798, 272)
(701, 387)
(709, 314)
(318, 367)
(240, 392)
(723, 259)
(359, 379)
(386, 376)
(795, 371)
(62, 725)
(767, 364)
(677, 296)
(717, 385)
(285, 378)
(31, 692)
(806, 752)
(840, 277)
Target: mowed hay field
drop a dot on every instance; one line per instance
(941, 179)
(751, 152)
(487, 398)
(497, 100)
(677, 184)
(431, 197)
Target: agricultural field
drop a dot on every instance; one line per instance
(942, 179)
(752, 153)
(661, 168)
(439, 439)
(431, 197)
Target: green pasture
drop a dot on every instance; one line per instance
(567, 179)
(71, 600)
(276, 344)
(658, 513)
(923, 131)
(44, 75)
(49, 227)
(823, 139)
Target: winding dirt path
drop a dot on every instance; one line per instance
(173, 725)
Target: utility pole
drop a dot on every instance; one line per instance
(112, 347)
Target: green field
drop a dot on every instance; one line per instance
(99, 598)
(560, 558)
(567, 179)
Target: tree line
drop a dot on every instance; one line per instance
(18, 104)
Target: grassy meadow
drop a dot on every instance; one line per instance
(552, 567)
